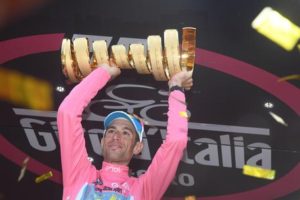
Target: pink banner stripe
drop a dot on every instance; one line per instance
(19, 47)
(284, 91)
(17, 156)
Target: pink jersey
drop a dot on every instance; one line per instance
(81, 180)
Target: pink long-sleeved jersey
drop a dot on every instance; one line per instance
(81, 180)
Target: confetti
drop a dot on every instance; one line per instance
(23, 169)
(25, 90)
(183, 114)
(289, 77)
(259, 172)
(277, 28)
(43, 177)
(278, 118)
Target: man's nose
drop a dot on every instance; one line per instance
(116, 135)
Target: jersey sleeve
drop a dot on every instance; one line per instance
(74, 158)
(163, 167)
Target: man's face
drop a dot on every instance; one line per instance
(119, 142)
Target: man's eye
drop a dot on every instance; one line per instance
(110, 131)
(127, 133)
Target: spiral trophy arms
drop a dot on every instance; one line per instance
(160, 61)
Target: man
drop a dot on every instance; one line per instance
(122, 139)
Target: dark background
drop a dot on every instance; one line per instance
(223, 27)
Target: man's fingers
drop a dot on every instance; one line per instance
(187, 86)
(112, 63)
(190, 80)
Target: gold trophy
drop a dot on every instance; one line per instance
(163, 63)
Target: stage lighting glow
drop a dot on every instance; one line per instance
(60, 89)
(268, 105)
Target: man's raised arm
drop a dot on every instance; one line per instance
(72, 144)
(163, 167)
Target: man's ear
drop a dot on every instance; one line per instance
(138, 148)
